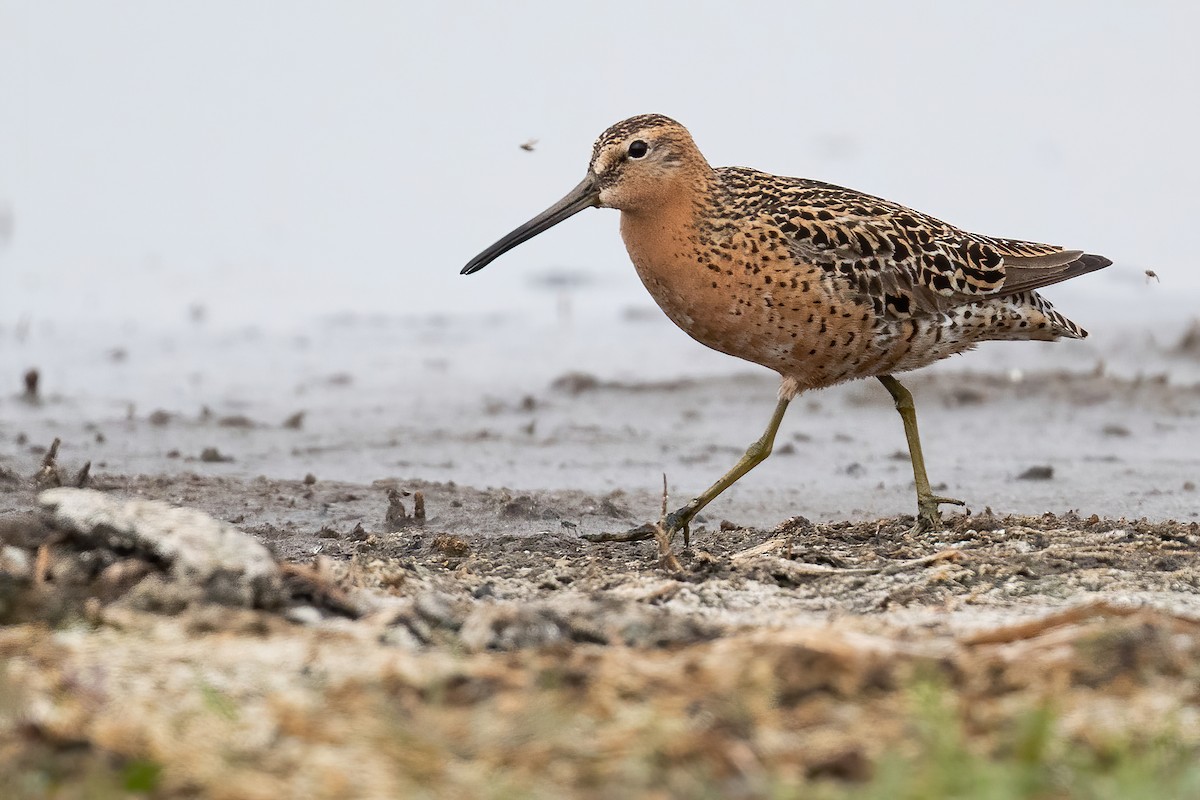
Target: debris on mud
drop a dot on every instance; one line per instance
(31, 379)
(397, 518)
(1040, 472)
(211, 455)
(204, 556)
(50, 474)
(477, 647)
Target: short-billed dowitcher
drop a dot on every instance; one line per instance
(819, 283)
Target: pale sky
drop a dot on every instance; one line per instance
(276, 160)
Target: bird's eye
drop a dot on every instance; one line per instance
(638, 148)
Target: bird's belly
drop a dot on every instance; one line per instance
(783, 319)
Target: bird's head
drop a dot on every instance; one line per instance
(637, 165)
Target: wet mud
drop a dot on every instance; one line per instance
(446, 616)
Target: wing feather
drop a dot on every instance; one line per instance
(902, 260)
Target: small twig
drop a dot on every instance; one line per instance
(81, 478)
(639, 534)
(820, 570)
(396, 518)
(31, 387)
(901, 566)
(41, 564)
(48, 475)
(757, 550)
(666, 558)
(51, 457)
(419, 507)
(1028, 630)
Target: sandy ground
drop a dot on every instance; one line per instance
(493, 648)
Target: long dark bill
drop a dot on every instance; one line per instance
(585, 195)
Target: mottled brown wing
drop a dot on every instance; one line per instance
(905, 261)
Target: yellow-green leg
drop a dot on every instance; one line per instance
(755, 455)
(929, 517)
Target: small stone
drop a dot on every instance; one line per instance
(450, 545)
(212, 455)
(15, 562)
(1041, 472)
(303, 615)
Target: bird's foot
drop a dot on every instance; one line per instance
(667, 526)
(679, 521)
(929, 515)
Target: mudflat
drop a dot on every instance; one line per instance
(458, 607)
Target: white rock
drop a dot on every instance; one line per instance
(228, 566)
(15, 562)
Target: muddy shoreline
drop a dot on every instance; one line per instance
(772, 657)
(444, 624)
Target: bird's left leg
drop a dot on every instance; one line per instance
(929, 516)
(755, 454)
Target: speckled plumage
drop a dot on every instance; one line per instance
(820, 283)
(825, 284)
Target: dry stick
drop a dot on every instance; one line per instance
(31, 386)
(41, 564)
(41, 561)
(51, 457)
(812, 570)
(419, 507)
(758, 550)
(901, 566)
(1028, 630)
(48, 475)
(396, 518)
(666, 558)
(639, 534)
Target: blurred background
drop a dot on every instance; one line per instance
(225, 204)
(274, 162)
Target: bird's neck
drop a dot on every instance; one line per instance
(664, 244)
(658, 234)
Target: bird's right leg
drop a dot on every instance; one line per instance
(755, 454)
(929, 515)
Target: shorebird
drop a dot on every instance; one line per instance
(820, 283)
